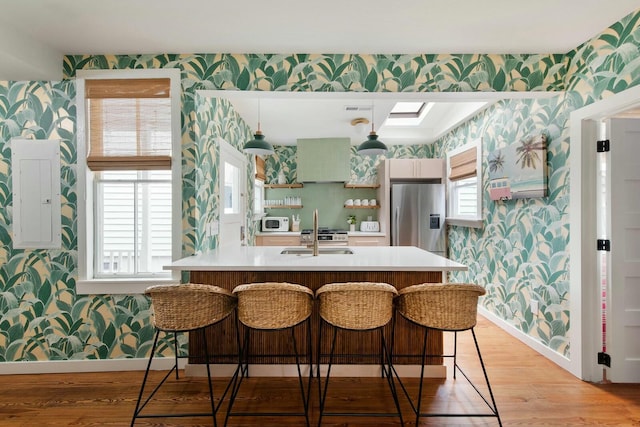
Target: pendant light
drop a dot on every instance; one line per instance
(372, 146)
(258, 145)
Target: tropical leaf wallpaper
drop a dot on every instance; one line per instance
(214, 118)
(521, 252)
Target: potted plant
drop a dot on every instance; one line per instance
(351, 220)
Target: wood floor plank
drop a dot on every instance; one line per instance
(529, 389)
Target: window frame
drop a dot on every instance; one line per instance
(87, 282)
(474, 221)
(258, 190)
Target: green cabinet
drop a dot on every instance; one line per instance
(324, 160)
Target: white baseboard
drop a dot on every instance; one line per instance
(221, 370)
(70, 366)
(290, 370)
(163, 363)
(536, 345)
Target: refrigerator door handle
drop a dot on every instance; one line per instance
(395, 228)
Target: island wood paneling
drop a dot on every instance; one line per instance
(222, 338)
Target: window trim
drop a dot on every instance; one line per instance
(460, 220)
(258, 188)
(87, 283)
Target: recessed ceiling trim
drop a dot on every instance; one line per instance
(289, 116)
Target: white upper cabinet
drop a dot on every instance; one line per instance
(416, 169)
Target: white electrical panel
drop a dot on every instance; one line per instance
(36, 193)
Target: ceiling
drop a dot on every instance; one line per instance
(35, 34)
(288, 116)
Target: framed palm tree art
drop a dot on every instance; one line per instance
(518, 171)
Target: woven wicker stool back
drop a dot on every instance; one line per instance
(189, 306)
(450, 307)
(273, 305)
(356, 305)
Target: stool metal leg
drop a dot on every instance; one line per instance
(493, 406)
(239, 373)
(305, 396)
(389, 375)
(140, 405)
(175, 352)
(455, 353)
(144, 382)
(387, 371)
(242, 371)
(416, 406)
(323, 394)
(206, 355)
(422, 363)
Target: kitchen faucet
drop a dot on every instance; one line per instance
(315, 232)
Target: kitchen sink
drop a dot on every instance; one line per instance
(321, 251)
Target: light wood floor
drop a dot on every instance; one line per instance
(530, 391)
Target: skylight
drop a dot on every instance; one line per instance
(407, 109)
(408, 113)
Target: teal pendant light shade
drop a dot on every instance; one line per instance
(372, 147)
(258, 145)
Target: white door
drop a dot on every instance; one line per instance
(623, 330)
(232, 195)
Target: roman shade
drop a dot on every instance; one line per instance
(260, 174)
(463, 165)
(129, 124)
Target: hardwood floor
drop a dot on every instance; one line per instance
(530, 391)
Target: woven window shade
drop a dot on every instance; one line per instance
(260, 174)
(463, 165)
(129, 124)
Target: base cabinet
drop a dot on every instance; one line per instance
(262, 240)
(367, 241)
(222, 342)
(278, 240)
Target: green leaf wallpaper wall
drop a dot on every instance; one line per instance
(520, 253)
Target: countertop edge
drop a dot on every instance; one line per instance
(363, 258)
(308, 268)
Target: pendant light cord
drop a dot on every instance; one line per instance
(372, 116)
(258, 114)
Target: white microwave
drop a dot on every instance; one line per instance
(275, 223)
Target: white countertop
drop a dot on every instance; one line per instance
(297, 233)
(278, 233)
(364, 258)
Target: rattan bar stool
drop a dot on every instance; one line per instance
(184, 308)
(445, 307)
(273, 307)
(356, 306)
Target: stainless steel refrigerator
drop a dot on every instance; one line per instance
(418, 216)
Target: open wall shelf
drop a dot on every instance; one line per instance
(362, 185)
(292, 185)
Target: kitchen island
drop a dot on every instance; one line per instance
(399, 266)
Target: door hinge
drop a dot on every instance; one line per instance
(603, 146)
(604, 245)
(604, 359)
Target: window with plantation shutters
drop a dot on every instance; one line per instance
(129, 151)
(129, 124)
(463, 165)
(464, 186)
